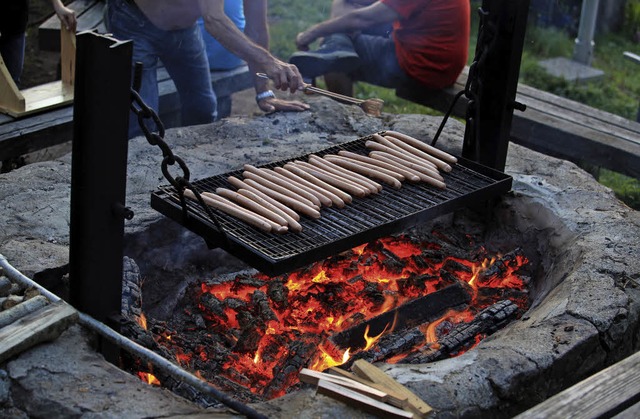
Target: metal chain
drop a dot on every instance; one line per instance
(146, 117)
(486, 38)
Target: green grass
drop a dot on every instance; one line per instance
(618, 92)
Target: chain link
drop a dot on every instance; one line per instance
(153, 130)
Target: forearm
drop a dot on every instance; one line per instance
(256, 29)
(223, 29)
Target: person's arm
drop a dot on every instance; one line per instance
(358, 19)
(256, 29)
(67, 16)
(285, 76)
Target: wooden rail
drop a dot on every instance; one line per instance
(614, 390)
(555, 126)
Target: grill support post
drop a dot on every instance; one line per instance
(497, 84)
(102, 99)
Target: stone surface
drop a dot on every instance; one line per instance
(586, 296)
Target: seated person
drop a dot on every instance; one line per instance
(255, 27)
(429, 44)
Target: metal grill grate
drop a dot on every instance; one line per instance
(365, 219)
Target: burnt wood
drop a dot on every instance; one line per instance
(554, 126)
(418, 311)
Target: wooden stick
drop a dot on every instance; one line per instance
(394, 398)
(313, 377)
(373, 373)
(360, 401)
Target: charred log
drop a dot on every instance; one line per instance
(485, 323)
(298, 356)
(390, 345)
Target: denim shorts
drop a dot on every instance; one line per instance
(379, 64)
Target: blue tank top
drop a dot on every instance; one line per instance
(219, 57)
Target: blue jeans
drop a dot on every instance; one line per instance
(182, 53)
(378, 62)
(12, 51)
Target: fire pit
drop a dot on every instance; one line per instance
(581, 244)
(559, 333)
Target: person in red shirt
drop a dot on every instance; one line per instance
(429, 43)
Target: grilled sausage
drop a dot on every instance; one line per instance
(275, 178)
(364, 169)
(441, 164)
(239, 184)
(234, 210)
(277, 188)
(352, 176)
(415, 163)
(400, 152)
(322, 195)
(408, 175)
(293, 224)
(337, 181)
(405, 165)
(251, 205)
(423, 146)
(343, 197)
(292, 203)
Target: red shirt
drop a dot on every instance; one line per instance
(432, 39)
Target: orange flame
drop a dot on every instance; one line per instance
(331, 296)
(148, 378)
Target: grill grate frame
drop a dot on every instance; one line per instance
(365, 219)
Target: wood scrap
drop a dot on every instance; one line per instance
(313, 377)
(393, 397)
(43, 325)
(370, 372)
(355, 399)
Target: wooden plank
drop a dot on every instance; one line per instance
(44, 325)
(604, 394)
(313, 377)
(67, 57)
(373, 373)
(393, 397)
(11, 99)
(360, 401)
(22, 136)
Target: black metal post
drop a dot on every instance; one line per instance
(504, 25)
(102, 99)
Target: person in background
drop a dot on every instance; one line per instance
(221, 59)
(13, 32)
(429, 44)
(167, 31)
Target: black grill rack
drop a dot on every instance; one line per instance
(365, 219)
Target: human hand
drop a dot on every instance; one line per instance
(303, 40)
(67, 17)
(272, 104)
(285, 76)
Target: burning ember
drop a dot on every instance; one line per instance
(256, 332)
